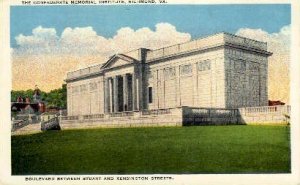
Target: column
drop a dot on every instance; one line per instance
(134, 100)
(125, 92)
(115, 92)
(140, 88)
(106, 95)
(178, 90)
(129, 92)
(195, 84)
(163, 92)
(155, 89)
(137, 80)
(69, 99)
(158, 92)
(100, 96)
(110, 95)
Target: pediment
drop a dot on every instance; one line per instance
(118, 60)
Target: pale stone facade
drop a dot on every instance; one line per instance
(219, 71)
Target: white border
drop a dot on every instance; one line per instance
(243, 179)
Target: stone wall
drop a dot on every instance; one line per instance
(162, 117)
(86, 96)
(196, 80)
(180, 116)
(265, 115)
(246, 79)
(210, 116)
(246, 115)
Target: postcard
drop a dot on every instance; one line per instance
(149, 92)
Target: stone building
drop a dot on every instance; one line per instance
(218, 71)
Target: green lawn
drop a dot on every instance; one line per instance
(174, 150)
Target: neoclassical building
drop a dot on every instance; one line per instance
(218, 71)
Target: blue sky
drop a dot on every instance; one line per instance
(198, 20)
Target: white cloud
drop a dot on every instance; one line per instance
(41, 38)
(86, 41)
(43, 57)
(165, 34)
(279, 44)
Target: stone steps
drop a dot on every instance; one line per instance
(29, 129)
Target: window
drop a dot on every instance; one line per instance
(186, 69)
(240, 65)
(204, 65)
(93, 86)
(169, 72)
(150, 99)
(83, 88)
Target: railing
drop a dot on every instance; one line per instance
(93, 116)
(234, 39)
(21, 117)
(204, 43)
(156, 112)
(192, 115)
(19, 124)
(22, 120)
(84, 71)
(31, 117)
(210, 112)
(121, 114)
(280, 109)
(69, 117)
(115, 114)
(201, 43)
(209, 116)
(83, 117)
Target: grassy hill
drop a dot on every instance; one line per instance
(172, 150)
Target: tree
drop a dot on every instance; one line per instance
(57, 97)
(54, 98)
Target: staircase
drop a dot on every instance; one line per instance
(51, 124)
(40, 123)
(28, 129)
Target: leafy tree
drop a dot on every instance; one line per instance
(15, 94)
(57, 98)
(54, 98)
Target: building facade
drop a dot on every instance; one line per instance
(218, 71)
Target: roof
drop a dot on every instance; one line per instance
(121, 56)
(22, 105)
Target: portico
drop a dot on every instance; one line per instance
(120, 94)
